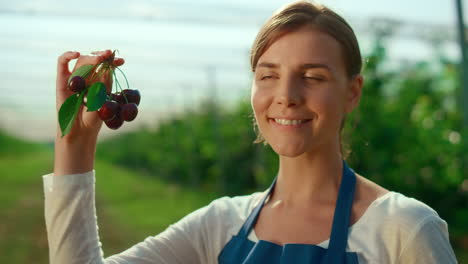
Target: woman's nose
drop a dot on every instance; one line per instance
(288, 93)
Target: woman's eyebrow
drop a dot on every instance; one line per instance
(302, 67)
(315, 65)
(267, 65)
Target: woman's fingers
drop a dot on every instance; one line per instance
(63, 72)
(119, 62)
(62, 66)
(108, 53)
(87, 59)
(102, 52)
(64, 59)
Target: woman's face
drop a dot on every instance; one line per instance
(301, 92)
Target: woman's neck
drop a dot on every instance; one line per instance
(308, 179)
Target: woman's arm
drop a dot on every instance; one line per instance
(74, 153)
(73, 236)
(428, 243)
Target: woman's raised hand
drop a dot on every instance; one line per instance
(86, 123)
(74, 153)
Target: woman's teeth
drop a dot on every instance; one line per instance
(289, 122)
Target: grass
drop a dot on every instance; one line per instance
(23, 237)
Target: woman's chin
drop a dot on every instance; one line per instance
(290, 150)
(290, 154)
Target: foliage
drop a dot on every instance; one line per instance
(11, 145)
(407, 134)
(210, 148)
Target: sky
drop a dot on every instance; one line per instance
(426, 11)
(174, 49)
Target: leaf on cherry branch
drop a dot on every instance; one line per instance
(68, 112)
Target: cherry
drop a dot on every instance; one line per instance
(77, 84)
(108, 110)
(129, 111)
(133, 96)
(115, 122)
(118, 97)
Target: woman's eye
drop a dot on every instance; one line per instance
(314, 78)
(266, 77)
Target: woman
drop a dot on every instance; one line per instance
(306, 63)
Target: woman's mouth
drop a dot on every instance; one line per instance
(288, 123)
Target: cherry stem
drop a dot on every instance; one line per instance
(95, 74)
(128, 86)
(120, 87)
(111, 72)
(117, 82)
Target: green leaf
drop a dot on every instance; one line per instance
(96, 96)
(68, 112)
(82, 71)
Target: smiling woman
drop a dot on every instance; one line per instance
(308, 85)
(307, 67)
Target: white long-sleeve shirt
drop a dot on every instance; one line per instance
(394, 229)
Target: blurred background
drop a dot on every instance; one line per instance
(192, 140)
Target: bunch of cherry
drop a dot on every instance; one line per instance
(118, 107)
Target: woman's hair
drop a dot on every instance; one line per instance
(304, 13)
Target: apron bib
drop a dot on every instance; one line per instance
(241, 250)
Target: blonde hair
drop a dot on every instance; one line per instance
(304, 13)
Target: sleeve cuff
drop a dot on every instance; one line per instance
(52, 182)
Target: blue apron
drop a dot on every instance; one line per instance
(241, 250)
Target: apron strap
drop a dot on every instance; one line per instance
(342, 215)
(252, 219)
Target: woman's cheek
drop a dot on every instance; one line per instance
(259, 99)
(331, 107)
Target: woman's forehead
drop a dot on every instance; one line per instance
(306, 46)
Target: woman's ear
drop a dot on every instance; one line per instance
(354, 92)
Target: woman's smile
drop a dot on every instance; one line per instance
(283, 124)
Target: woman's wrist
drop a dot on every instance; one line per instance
(74, 156)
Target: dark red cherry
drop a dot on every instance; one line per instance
(115, 122)
(77, 84)
(108, 110)
(118, 97)
(129, 111)
(133, 96)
